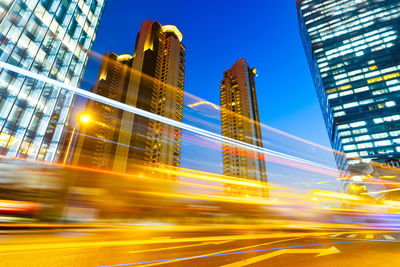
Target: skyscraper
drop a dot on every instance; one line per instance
(240, 121)
(151, 79)
(353, 50)
(52, 38)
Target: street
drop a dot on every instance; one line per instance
(211, 245)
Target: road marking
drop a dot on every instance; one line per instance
(389, 237)
(352, 235)
(183, 246)
(369, 236)
(74, 245)
(319, 252)
(221, 252)
(335, 235)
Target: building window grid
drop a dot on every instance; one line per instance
(64, 72)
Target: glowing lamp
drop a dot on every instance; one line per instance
(84, 118)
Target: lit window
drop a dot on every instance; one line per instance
(392, 82)
(391, 76)
(358, 124)
(383, 143)
(394, 88)
(350, 105)
(343, 126)
(380, 135)
(349, 92)
(362, 89)
(349, 147)
(394, 133)
(392, 118)
(375, 80)
(352, 155)
(390, 104)
(332, 96)
(338, 114)
(363, 138)
(360, 131)
(347, 140)
(345, 133)
(379, 92)
(364, 145)
(367, 101)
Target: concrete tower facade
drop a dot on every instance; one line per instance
(151, 79)
(240, 121)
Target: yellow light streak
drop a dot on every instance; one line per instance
(204, 103)
(387, 176)
(335, 195)
(382, 192)
(238, 200)
(392, 203)
(212, 177)
(48, 246)
(183, 246)
(227, 251)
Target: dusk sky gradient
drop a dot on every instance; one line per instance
(216, 34)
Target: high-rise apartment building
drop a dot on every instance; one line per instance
(353, 50)
(52, 38)
(240, 121)
(151, 79)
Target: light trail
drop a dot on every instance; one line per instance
(154, 262)
(381, 192)
(156, 117)
(204, 103)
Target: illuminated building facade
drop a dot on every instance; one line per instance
(52, 38)
(93, 147)
(240, 121)
(151, 79)
(353, 50)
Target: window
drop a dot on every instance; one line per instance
(363, 138)
(390, 104)
(358, 124)
(350, 105)
(349, 147)
(380, 135)
(383, 143)
(364, 145)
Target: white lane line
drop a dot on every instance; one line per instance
(352, 235)
(389, 237)
(335, 235)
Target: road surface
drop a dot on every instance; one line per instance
(209, 245)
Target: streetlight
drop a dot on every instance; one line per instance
(83, 118)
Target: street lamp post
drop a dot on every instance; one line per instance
(82, 119)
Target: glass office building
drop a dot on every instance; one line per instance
(52, 38)
(353, 50)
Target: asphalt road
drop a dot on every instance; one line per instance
(228, 246)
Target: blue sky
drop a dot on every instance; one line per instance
(216, 34)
